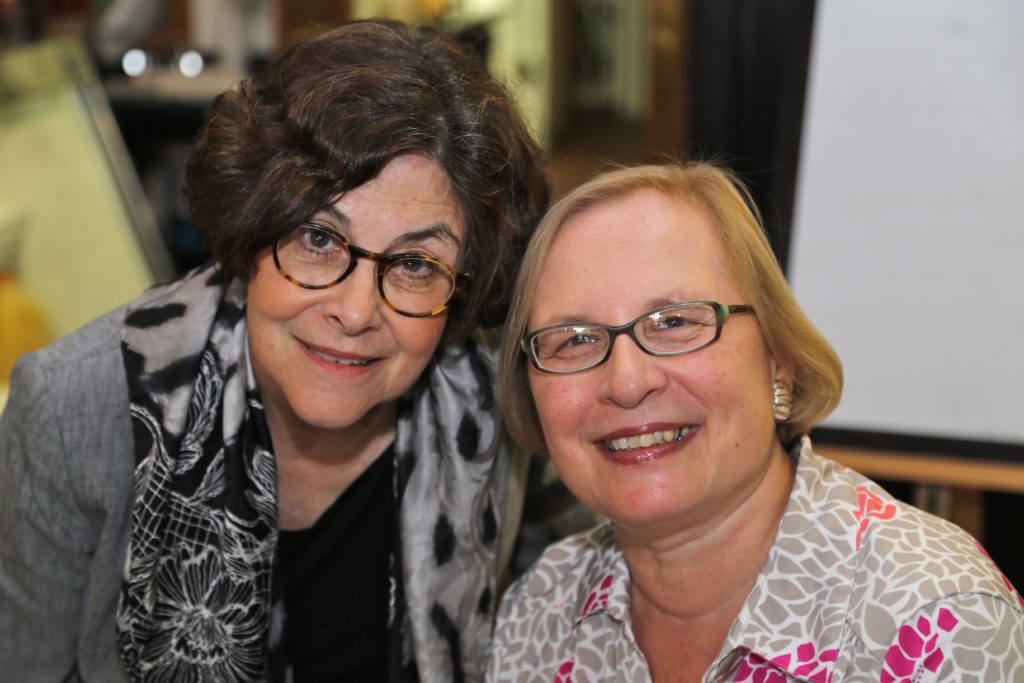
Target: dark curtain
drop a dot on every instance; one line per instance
(749, 77)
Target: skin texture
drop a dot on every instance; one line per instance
(329, 421)
(665, 252)
(695, 517)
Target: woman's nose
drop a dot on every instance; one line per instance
(355, 301)
(631, 373)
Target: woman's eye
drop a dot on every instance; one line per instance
(318, 240)
(674, 321)
(416, 267)
(576, 340)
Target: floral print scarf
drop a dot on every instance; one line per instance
(196, 601)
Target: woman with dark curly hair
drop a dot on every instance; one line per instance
(287, 465)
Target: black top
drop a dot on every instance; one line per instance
(334, 579)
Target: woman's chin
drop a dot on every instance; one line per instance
(328, 414)
(647, 509)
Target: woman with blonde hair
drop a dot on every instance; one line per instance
(656, 353)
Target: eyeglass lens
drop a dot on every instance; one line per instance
(672, 330)
(315, 257)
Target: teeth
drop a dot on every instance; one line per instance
(648, 439)
(337, 361)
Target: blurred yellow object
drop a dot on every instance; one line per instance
(23, 325)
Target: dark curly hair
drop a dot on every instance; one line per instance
(328, 116)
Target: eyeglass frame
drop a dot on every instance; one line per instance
(459, 279)
(722, 313)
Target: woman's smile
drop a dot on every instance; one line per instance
(335, 359)
(646, 444)
(674, 433)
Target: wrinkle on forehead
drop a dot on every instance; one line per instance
(412, 193)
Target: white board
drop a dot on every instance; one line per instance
(908, 235)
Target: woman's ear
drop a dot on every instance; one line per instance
(784, 372)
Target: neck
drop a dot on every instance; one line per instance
(315, 466)
(332, 447)
(692, 582)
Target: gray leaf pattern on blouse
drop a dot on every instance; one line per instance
(857, 588)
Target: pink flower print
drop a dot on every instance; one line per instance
(805, 663)
(1006, 581)
(916, 649)
(564, 673)
(598, 599)
(870, 505)
(754, 668)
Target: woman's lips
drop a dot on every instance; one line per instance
(652, 438)
(645, 445)
(337, 359)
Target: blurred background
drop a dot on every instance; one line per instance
(881, 142)
(100, 100)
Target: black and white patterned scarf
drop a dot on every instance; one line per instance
(196, 601)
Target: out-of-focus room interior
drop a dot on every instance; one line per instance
(100, 100)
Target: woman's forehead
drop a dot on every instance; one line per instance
(637, 230)
(412, 194)
(630, 252)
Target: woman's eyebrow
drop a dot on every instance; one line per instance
(440, 231)
(650, 305)
(662, 301)
(336, 214)
(566, 320)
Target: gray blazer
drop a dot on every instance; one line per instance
(66, 479)
(66, 461)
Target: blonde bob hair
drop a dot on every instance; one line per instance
(793, 340)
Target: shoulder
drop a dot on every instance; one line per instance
(66, 468)
(101, 335)
(965, 636)
(561, 580)
(566, 610)
(69, 402)
(88, 350)
(903, 549)
(79, 377)
(905, 562)
(915, 570)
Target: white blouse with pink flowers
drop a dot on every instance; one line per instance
(858, 587)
